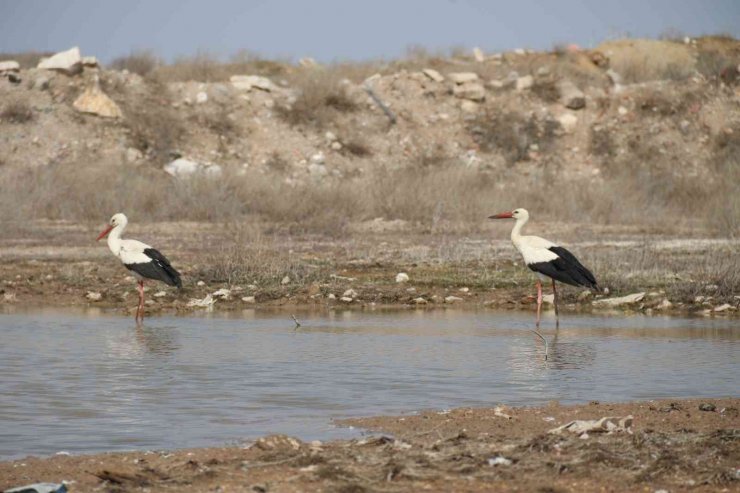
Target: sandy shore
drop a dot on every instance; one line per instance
(675, 445)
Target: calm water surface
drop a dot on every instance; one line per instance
(93, 382)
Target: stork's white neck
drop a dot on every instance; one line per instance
(516, 231)
(114, 239)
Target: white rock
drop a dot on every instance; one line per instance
(571, 97)
(470, 90)
(317, 170)
(206, 302)
(248, 82)
(464, 289)
(402, 277)
(350, 293)
(249, 299)
(94, 101)
(160, 294)
(69, 62)
(664, 305)
(336, 146)
(201, 97)
(223, 293)
(624, 300)
(346, 299)
(433, 74)
(520, 51)
(200, 283)
(285, 280)
(93, 296)
(463, 77)
(420, 301)
(332, 296)
(133, 155)
(568, 121)
(470, 107)
(452, 299)
(478, 55)
(548, 298)
(183, 168)
(90, 61)
(524, 83)
(9, 66)
(499, 461)
(622, 110)
(724, 308)
(330, 136)
(584, 295)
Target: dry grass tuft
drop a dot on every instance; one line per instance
(323, 96)
(641, 60)
(17, 112)
(141, 62)
(27, 59)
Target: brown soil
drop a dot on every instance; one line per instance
(672, 445)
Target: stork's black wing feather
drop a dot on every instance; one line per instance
(158, 268)
(577, 270)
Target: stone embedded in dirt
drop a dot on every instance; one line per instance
(346, 299)
(9, 66)
(40, 83)
(499, 461)
(249, 82)
(463, 77)
(707, 406)
(133, 155)
(95, 102)
(568, 121)
(90, 61)
(548, 298)
(350, 293)
(664, 305)
(223, 293)
(571, 97)
(278, 443)
(452, 299)
(94, 296)
(183, 168)
(285, 280)
(201, 97)
(68, 62)
(623, 300)
(318, 170)
(607, 424)
(724, 308)
(478, 55)
(332, 296)
(468, 106)
(249, 299)
(402, 277)
(433, 74)
(420, 301)
(207, 302)
(524, 83)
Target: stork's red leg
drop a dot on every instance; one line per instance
(140, 308)
(555, 302)
(539, 302)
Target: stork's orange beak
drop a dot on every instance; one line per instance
(503, 215)
(104, 233)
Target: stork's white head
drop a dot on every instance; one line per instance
(518, 214)
(118, 220)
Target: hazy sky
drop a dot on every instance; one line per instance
(337, 30)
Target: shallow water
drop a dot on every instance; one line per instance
(83, 382)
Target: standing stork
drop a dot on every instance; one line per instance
(144, 261)
(547, 259)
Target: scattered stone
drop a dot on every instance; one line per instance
(13, 77)
(468, 106)
(571, 97)
(604, 425)
(94, 296)
(336, 146)
(285, 280)
(278, 443)
(622, 111)
(548, 298)
(249, 299)
(249, 82)
(68, 62)
(207, 302)
(420, 301)
(452, 299)
(707, 406)
(463, 77)
(543, 71)
(160, 294)
(350, 293)
(568, 121)
(433, 74)
(520, 51)
(624, 300)
(332, 296)
(346, 299)
(200, 283)
(201, 97)
(95, 102)
(40, 83)
(524, 83)
(470, 90)
(183, 168)
(330, 136)
(318, 158)
(90, 61)
(223, 293)
(402, 277)
(499, 461)
(133, 155)
(464, 289)
(9, 66)
(478, 55)
(664, 305)
(318, 170)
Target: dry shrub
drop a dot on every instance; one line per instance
(546, 90)
(141, 62)
(27, 59)
(718, 66)
(321, 99)
(207, 67)
(512, 133)
(601, 142)
(641, 60)
(17, 112)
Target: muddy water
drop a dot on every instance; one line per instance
(94, 382)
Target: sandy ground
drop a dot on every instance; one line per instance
(681, 445)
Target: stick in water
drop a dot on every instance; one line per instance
(543, 340)
(297, 323)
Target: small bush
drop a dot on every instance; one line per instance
(718, 67)
(322, 97)
(601, 142)
(138, 62)
(17, 112)
(154, 126)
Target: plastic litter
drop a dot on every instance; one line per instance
(607, 424)
(39, 488)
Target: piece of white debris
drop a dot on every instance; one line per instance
(249, 299)
(499, 461)
(402, 277)
(93, 296)
(200, 283)
(206, 302)
(223, 293)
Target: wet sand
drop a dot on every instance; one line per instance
(680, 445)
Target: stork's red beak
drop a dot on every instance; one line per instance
(104, 233)
(503, 215)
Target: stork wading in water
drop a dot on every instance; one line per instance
(141, 259)
(548, 260)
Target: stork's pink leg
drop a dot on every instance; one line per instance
(539, 302)
(140, 308)
(555, 302)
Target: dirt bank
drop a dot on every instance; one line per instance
(671, 445)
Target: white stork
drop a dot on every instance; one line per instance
(547, 259)
(141, 259)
